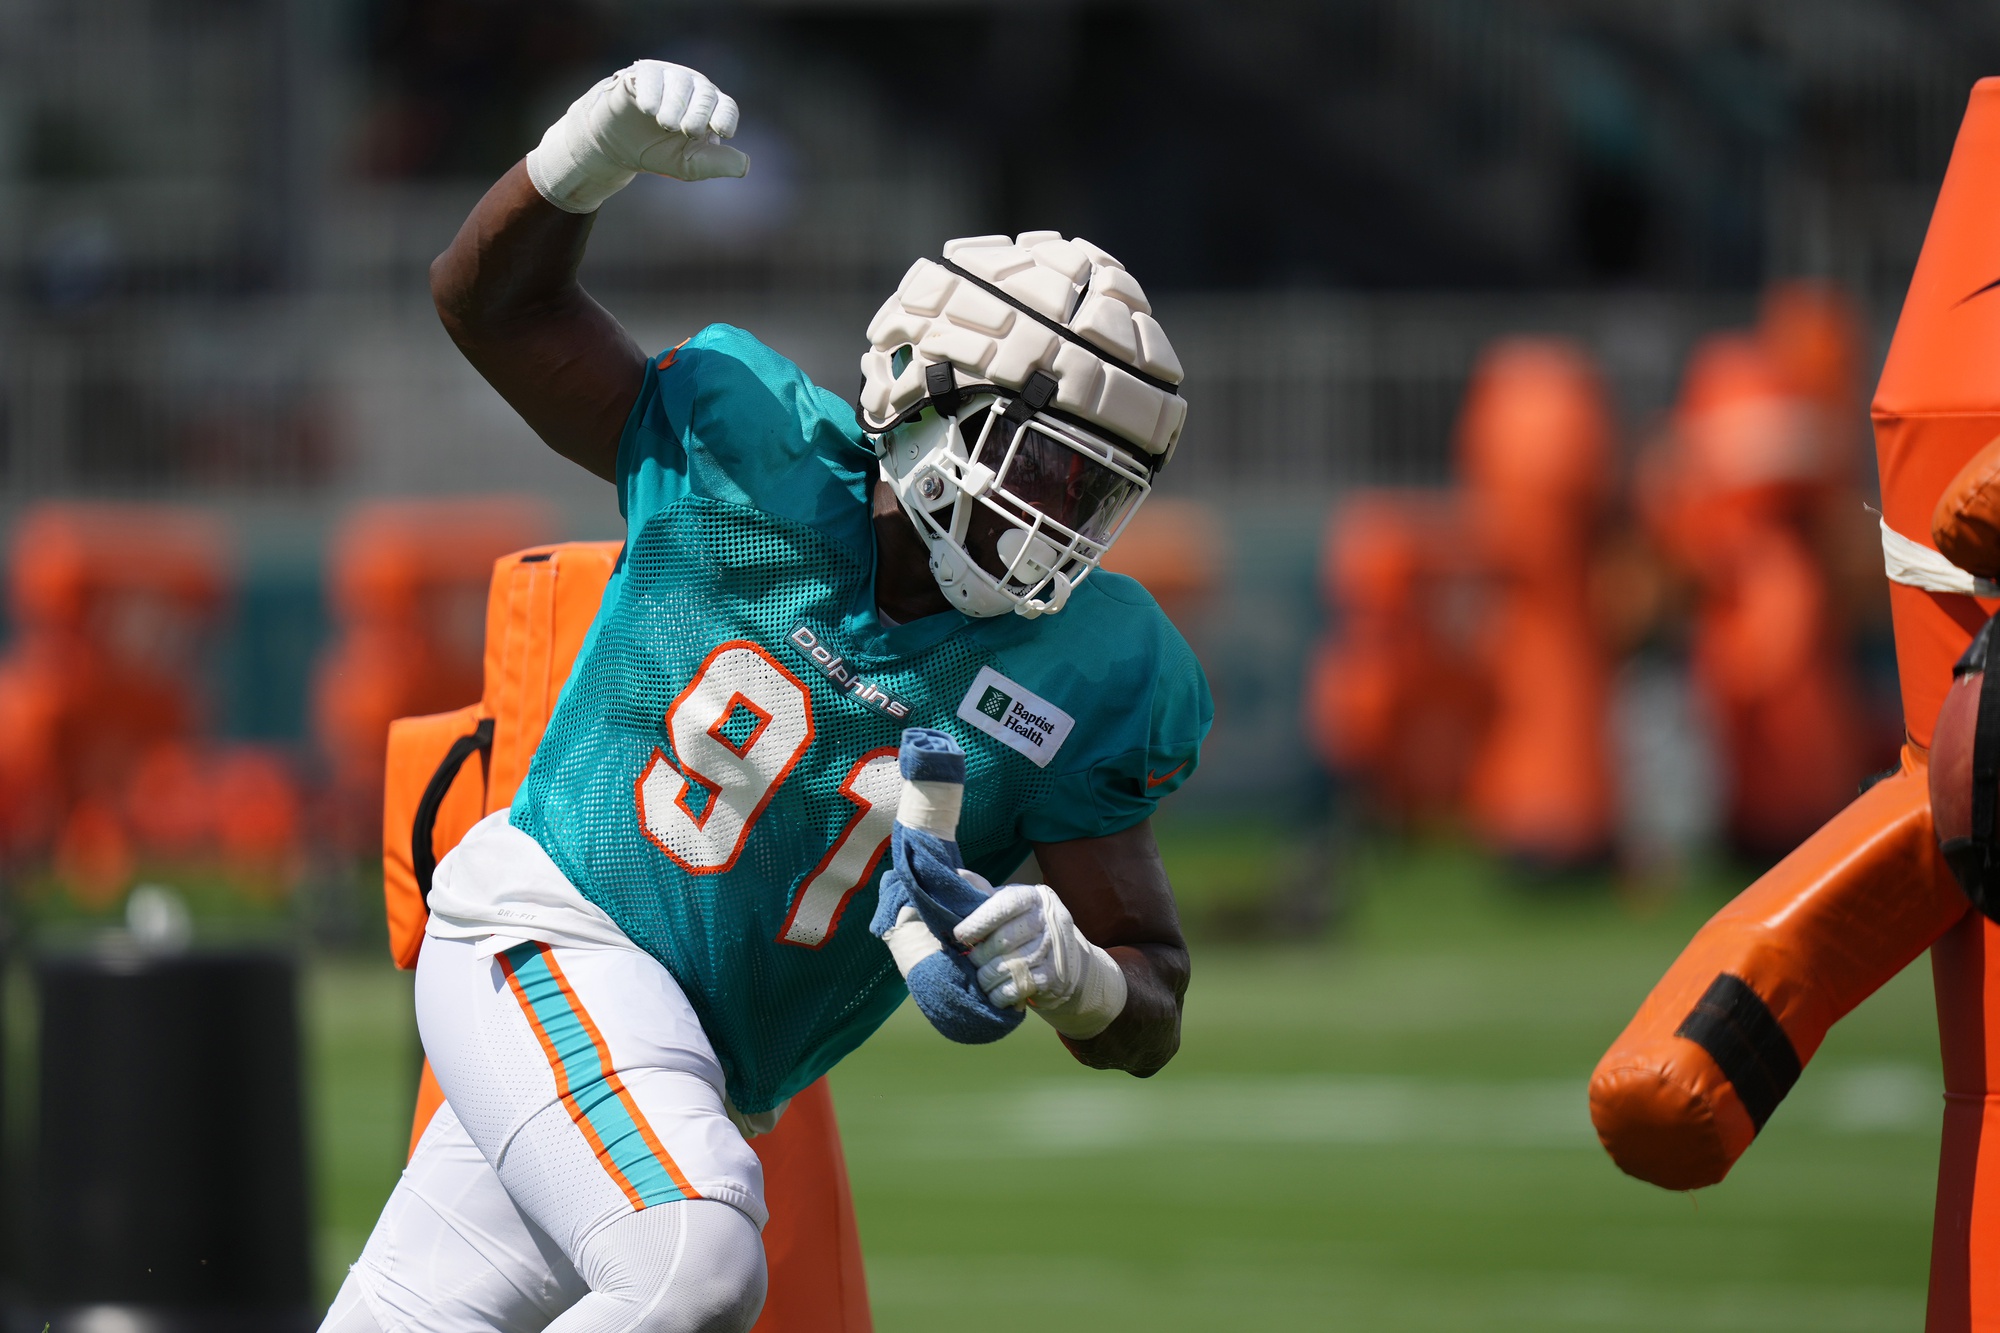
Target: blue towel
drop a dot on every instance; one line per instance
(924, 874)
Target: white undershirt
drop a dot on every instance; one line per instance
(498, 887)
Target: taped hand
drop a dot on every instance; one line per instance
(927, 891)
(650, 116)
(1029, 951)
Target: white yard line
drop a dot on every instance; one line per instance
(1054, 1118)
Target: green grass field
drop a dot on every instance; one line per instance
(1384, 1131)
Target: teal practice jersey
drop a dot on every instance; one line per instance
(720, 774)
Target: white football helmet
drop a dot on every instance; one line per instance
(1022, 397)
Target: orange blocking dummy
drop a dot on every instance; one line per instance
(1393, 699)
(1535, 458)
(407, 588)
(1464, 674)
(1812, 333)
(446, 770)
(110, 604)
(103, 759)
(1722, 1038)
(1736, 503)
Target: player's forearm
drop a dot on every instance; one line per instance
(1116, 887)
(1147, 1032)
(507, 292)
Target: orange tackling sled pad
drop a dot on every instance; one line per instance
(1726, 1032)
(446, 771)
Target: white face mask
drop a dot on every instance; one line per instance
(1015, 517)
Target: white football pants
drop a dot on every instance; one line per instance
(583, 1176)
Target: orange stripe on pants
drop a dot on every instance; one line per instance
(812, 1244)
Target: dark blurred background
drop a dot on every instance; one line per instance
(235, 197)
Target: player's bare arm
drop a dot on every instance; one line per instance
(507, 292)
(506, 287)
(1116, 888)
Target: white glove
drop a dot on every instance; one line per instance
(1029, 951)
(650, 116)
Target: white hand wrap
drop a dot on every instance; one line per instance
(910, 941)
(650, 116)
(1029, 951)
(932, 807)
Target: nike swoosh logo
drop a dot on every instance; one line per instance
(1152, 781)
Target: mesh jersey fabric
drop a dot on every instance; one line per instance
(745, 491)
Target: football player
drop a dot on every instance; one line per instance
(667, 936)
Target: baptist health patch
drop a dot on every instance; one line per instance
(1015, 716)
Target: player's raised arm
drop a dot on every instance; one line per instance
(506, 286)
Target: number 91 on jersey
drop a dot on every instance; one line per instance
(739, 729)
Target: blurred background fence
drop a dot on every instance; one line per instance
(274, 401)
(274, 404)
(205, 204)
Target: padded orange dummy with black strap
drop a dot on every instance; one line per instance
(446, 771)
(1726, 1033)
(1716, 1046)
